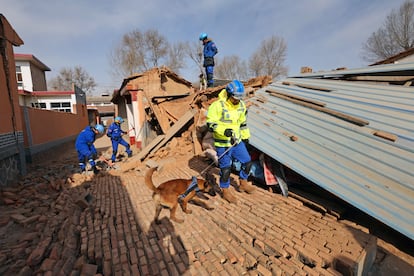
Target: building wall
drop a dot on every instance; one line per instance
(34, 78)
(66, 102)
(46, 129)
(12, 159)
(26, 75)
(38, 78)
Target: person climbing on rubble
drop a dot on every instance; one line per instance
(115, 133)
(209, 51)
(226, 119)
(85, 147)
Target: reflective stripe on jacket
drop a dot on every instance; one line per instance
(222, 114)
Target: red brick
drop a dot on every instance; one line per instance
(89, 270)
(263, 270)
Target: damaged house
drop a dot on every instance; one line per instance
(350, 132)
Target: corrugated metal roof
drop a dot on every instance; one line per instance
(355, 140)
(384, 69)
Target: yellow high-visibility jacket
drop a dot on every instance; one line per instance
(222, 114)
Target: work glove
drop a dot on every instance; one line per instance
(246, 141)
(229, 132)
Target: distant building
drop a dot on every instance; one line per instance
(101, 106)
(30, 73)
(32, 87)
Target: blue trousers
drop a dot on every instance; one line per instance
(115, 144)
(209, 75)
(238, 152)
(85, 155)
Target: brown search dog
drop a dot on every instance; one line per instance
(167, 194)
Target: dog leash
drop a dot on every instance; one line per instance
(218, 158)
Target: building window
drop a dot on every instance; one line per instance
(39, 105)
(64, 107)
(19, 77)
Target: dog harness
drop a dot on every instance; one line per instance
(193, 186)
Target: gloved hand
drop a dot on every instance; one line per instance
(233, 140)
(246, 141)
(229, 132)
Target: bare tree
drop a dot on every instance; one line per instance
(269, 58)
(129, 56)
(69, 76)
(256, 62)
(231, 67)
(396, 35)
(138, 52)
(176, 56)
(156, 46)
(194, 51)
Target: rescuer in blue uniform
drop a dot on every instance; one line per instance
(209, 51)
(115, 133)
(85, 147)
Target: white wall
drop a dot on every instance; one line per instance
(26, 74)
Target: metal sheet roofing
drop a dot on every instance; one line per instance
(355, 140)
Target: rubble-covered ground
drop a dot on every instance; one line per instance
(57, 222)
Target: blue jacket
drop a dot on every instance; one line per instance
(210, 49)
(84, 141)
(115, 132)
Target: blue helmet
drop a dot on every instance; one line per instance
(119, 120)
(235, 89)
(100, 128)
(203, 36)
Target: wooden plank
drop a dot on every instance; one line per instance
(343, 116)
(308, 86)
(386, 135)
(296, 97)
(145, 151)
(176, 127)
(381, 78)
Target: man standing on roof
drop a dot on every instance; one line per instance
(209, 51)
(226, 118)
(115, 133)
(85, 147)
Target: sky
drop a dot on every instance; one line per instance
(321, 34)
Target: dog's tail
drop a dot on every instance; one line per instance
(148, 179)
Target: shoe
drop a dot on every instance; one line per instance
(227, 195)
(246, 186)
(129, 154)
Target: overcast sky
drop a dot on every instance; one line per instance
(322, 34)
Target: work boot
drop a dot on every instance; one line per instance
(227, 195)
(246, 186)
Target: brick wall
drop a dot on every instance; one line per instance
(46, 129)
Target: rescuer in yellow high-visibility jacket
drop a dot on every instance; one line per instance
(226, 118)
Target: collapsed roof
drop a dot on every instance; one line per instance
(349, 131)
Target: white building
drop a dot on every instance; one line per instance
(32, 86)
